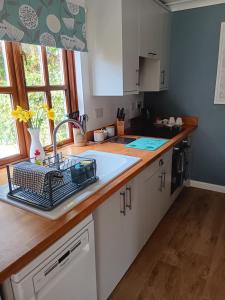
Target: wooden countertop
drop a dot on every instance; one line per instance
(24, 235)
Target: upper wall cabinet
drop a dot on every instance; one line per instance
(113, 46)
(154, 37)
(150, 22)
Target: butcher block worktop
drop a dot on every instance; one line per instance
(24, 235)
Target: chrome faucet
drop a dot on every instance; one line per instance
(76, 123)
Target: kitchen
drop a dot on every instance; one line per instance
(145, 220)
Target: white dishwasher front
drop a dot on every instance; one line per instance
(68, 273)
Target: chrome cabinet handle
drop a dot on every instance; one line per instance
(138, 79)
(161, 182)
(161, 162)
(181, 170)
(129, 204)
(152, 53)
(123, 206)
(164, 179)
(162, 82)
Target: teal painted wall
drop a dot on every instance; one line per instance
(194, 56)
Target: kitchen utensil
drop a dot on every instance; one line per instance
(120, 114)
(120, 126)
(74, 115)
(83, 121)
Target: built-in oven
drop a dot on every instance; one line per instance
(180, 164)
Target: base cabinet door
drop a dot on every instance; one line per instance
(111, 247)
(133, 230)
(125, 221)
(152, 190)
(154, 198)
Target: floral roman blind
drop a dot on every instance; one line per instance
(53, 23)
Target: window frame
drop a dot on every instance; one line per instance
(19, 91)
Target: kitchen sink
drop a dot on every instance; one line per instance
(109, 166)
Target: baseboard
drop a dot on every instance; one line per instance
(206, 186)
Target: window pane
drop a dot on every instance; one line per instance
(32, 65)
(8, 133)
(59, 105)
(4, 78)
(36, 100)
(55, 66)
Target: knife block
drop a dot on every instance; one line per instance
(120, 127)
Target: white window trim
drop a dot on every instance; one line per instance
(219, 98)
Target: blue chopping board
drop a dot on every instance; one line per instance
(149, 144)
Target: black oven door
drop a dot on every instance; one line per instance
(180, 165)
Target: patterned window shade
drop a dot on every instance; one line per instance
(53, 23)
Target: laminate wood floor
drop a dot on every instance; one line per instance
(185, 256)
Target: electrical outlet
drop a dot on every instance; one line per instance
(99, 113)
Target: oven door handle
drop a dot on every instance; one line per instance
(180, 163)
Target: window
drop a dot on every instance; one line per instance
(31, 75)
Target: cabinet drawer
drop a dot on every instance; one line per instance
(163, 160)
(167, 157)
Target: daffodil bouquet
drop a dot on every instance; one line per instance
(31, 118)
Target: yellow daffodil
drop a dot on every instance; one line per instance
(51, 114)
(17, 113)
(45, 107)
(33, 119)
(19, 108)
(28, 115)
(14, 114)
(22, 115)
(31, 114)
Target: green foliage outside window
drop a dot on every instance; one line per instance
(34, 77)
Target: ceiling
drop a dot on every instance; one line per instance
(176, 5)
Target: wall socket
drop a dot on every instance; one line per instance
(99, 113)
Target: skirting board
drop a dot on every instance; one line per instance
(206, 186)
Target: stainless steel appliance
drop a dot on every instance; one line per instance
(180, 164)
(121, 140)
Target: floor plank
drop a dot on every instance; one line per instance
(185, 256)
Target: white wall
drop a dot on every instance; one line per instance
(88, 103)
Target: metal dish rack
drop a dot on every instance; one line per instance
(53, 194)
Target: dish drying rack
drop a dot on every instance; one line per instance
(54, 195)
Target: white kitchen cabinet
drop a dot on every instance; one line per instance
(133, 228)
(112, 236)
(154, 37)
(150, 26)
(126, 220)
(152, 189)
(165, 50)
(113, 46)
